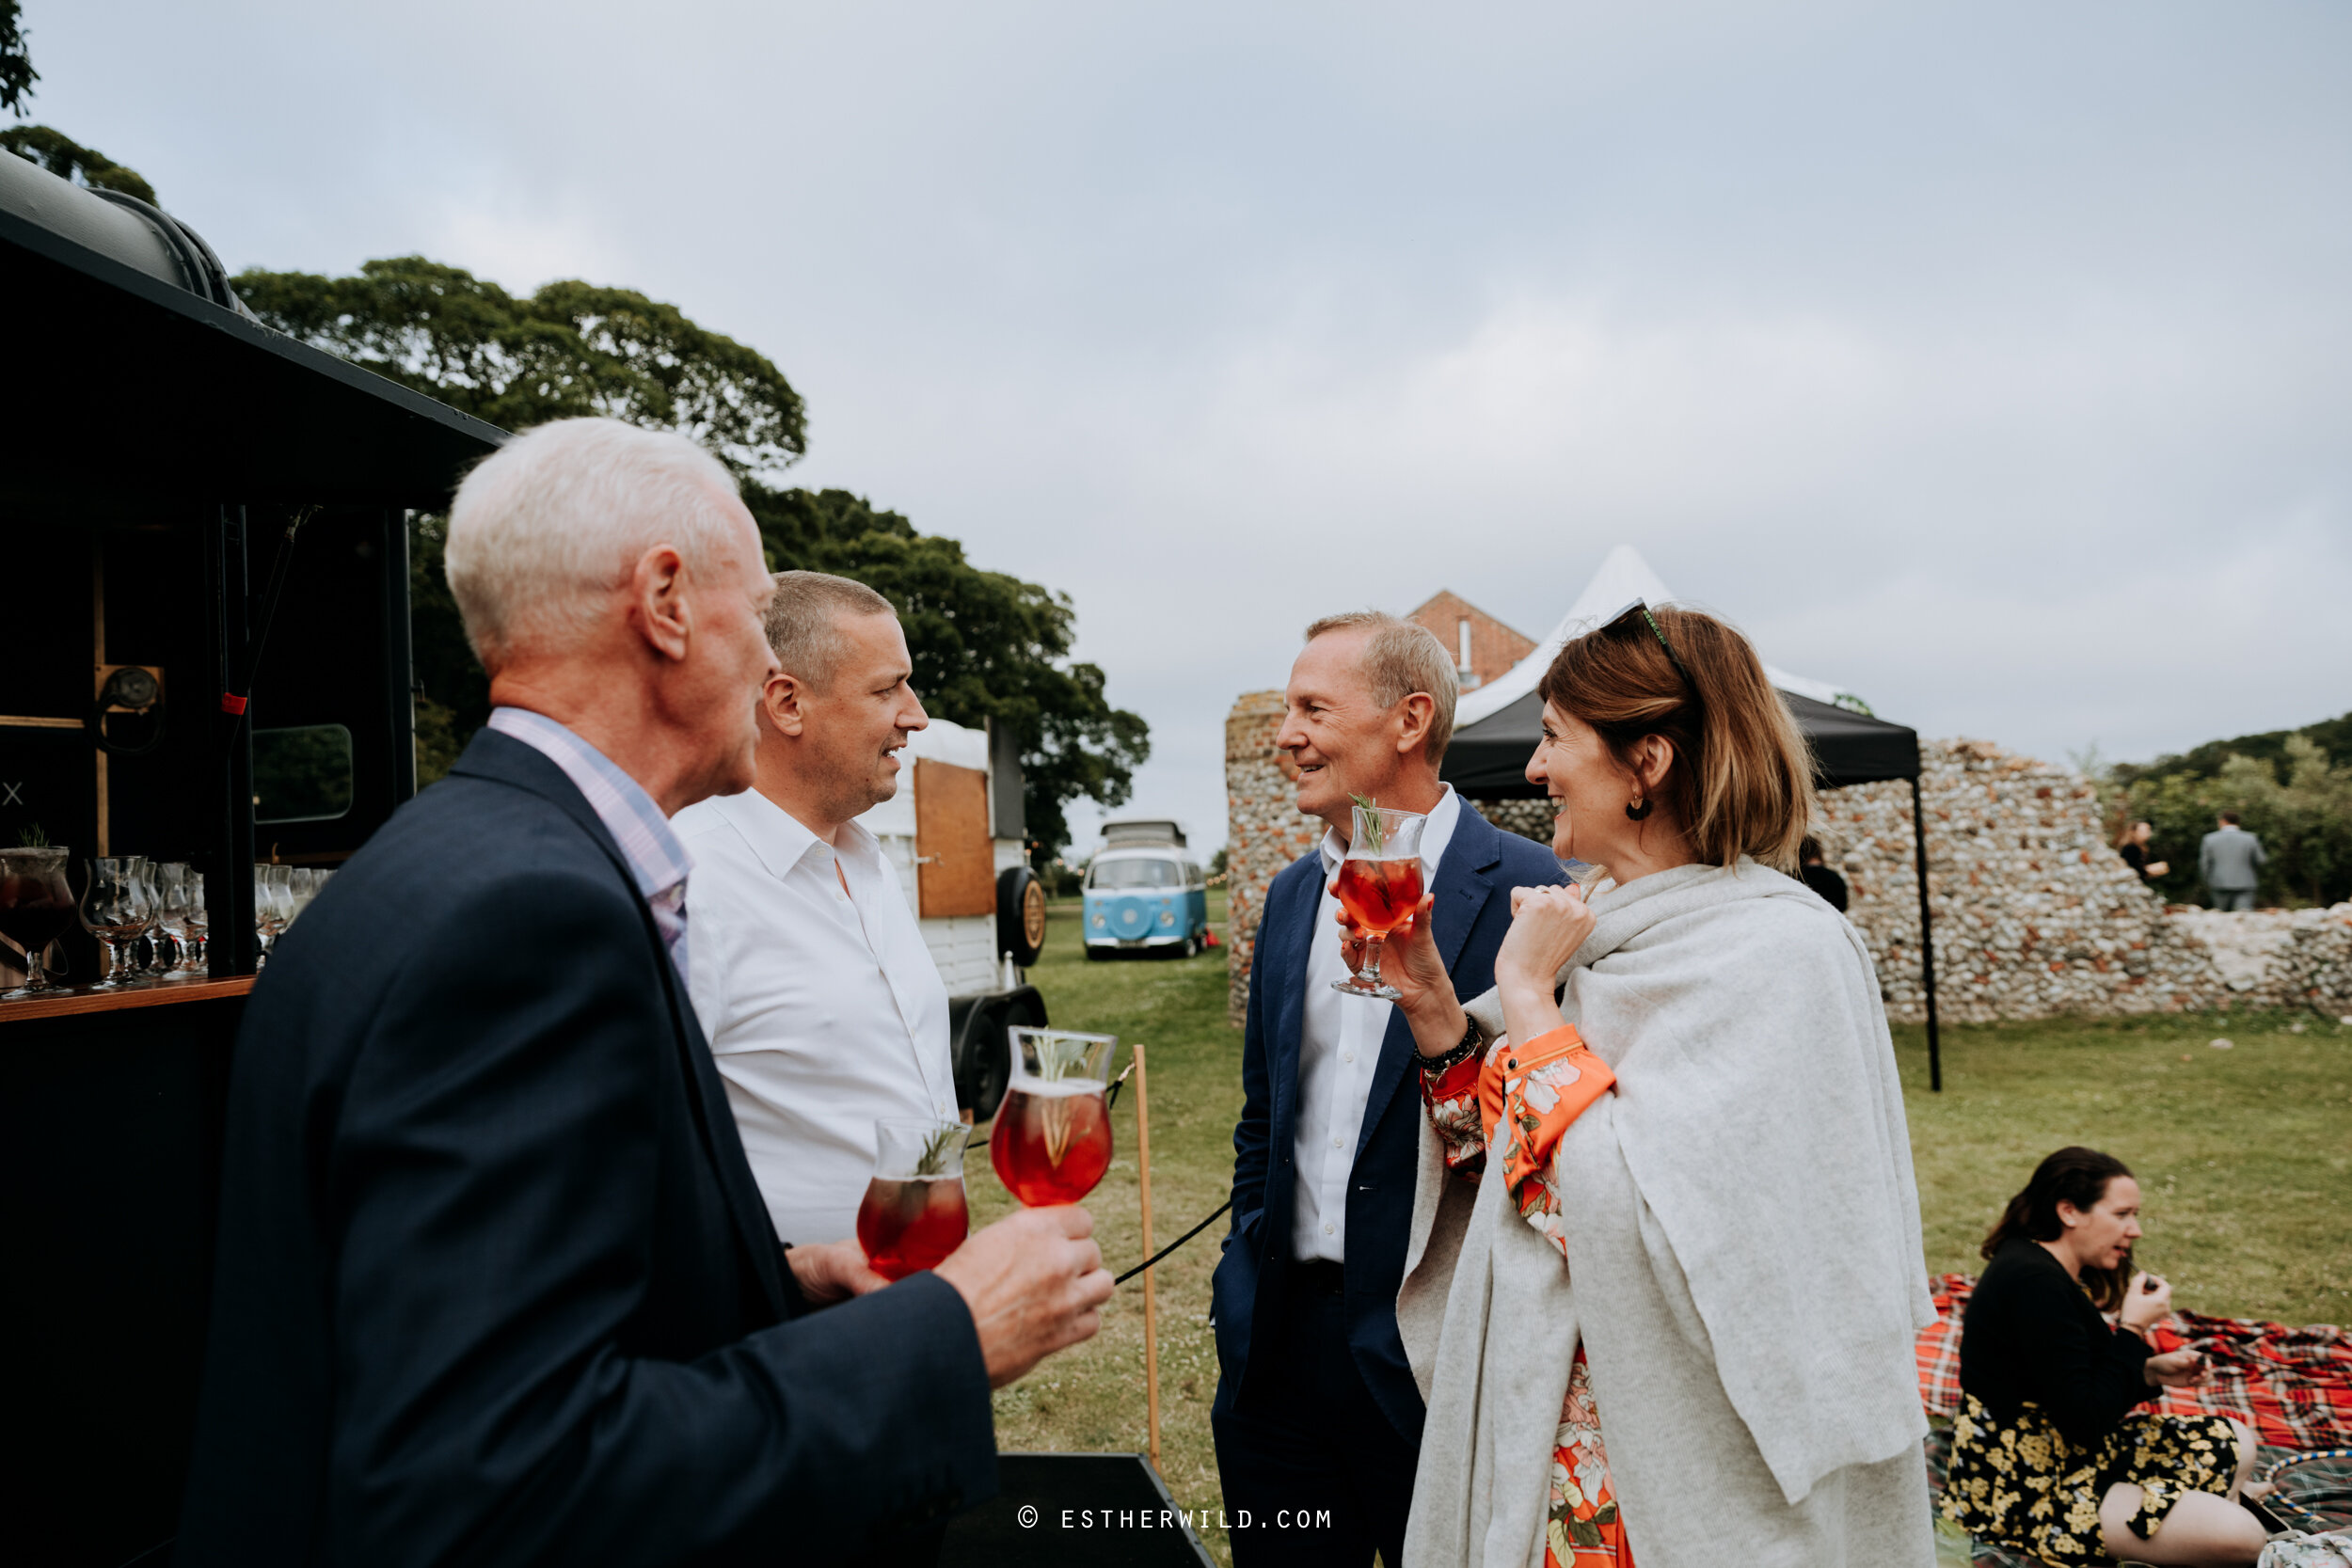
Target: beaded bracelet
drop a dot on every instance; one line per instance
(1434, 1067)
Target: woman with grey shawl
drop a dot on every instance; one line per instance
(1666, 1273)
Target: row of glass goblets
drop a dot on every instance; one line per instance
(1051, 1144)
(131, 899)
(280, 893)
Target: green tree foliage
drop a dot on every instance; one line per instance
(568, 349)
(68, 159)
(17, 74)
(2298, 803)
(987, 647)
(2333, 737)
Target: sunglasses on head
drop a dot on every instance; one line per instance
(1636, 617)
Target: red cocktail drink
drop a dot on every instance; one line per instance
(1051, 1141)
(909, 1225)
(1378, 896)
(1378, 885)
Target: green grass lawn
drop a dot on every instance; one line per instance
(2243, 1154)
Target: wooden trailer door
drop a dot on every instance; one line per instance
(955, 868)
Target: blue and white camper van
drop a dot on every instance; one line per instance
(1145, 893)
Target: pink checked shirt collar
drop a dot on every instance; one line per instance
(656, 858)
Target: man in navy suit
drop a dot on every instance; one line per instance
(494, 1284)
(1317, 1417)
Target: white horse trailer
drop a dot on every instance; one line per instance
(956, 832)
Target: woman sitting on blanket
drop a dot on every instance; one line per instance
(1673, 1321)
(2050, 1454)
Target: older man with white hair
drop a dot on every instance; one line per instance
(494, 1284)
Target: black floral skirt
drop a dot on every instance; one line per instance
(2023, 1486)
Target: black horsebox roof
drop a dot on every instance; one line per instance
(131, 370)
(1486, 759)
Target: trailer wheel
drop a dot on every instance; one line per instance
(1020, 914)
(984, 1054)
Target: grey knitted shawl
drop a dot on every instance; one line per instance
(1743, 1243)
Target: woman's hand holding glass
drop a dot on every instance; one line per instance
(1424, 991)
(1547, 926)
(2175, 1368)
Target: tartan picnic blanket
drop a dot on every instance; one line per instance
(2291, 1385)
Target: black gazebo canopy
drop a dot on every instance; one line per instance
(1487, 760)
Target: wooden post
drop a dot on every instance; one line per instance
(1151, 1301)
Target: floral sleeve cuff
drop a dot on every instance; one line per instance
(1451, 1099)
(1528, 1098)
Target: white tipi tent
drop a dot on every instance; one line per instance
(1623, 578)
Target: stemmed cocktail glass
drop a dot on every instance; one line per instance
(1051, 1140)
(273, 902)
(115, 911)
(914, 1214)
(1379, 884)
(36, 906)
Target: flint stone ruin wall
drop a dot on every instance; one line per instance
(1264, 831)
(2035, 914)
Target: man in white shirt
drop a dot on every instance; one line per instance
(822, 1004)
(1317, 1415)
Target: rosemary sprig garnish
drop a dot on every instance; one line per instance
(935, 1150)
(1369, 823)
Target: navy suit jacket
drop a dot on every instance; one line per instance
(494, 1284)
(1472, 910)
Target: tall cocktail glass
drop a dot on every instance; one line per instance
(36, 906)
(1379, 885)
(914, 1213)
(1051, 1140)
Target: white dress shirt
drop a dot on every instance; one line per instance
(1339, 1045)
(823, 1007)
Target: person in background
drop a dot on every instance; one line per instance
(2050, 1455)
(822, 1004)
(2230, 860)
(2132, 844)
(1316, 1410)
(493, 1283)
(1818, 877)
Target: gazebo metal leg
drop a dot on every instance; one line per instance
(1926, 937)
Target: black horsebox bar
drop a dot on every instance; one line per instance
(160, 446)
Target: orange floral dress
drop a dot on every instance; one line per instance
(1509, 1112)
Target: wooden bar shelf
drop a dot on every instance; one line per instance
(153, 994)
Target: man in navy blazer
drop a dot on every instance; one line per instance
(494, 1284)
(1317, 1417)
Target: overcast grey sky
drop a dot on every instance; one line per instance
(1994, 361)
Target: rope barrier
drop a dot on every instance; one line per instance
(1174, 1244)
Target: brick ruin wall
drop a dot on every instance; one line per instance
(2034, 913)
